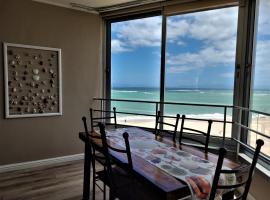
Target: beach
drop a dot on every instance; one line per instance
(260, 123)
(216, 130)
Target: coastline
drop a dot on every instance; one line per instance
(261, 124)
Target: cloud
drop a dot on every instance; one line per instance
(262, 59)
(144, 32)
(264, 18)
(176, 29)
(214, 32)
(262, 62)
(118, 46)
(207, 57)
(262, 65)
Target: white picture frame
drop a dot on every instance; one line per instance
(8, 114)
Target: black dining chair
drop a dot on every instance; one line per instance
(190, 134)
(247, 169)
(97, 154)
(123, 181)
(102, 117)
(169, 132)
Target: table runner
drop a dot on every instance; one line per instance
(198, 173)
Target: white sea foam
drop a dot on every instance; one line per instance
(216, 116)
(135, 118)
(184, 90)
(148, 93)
(213, 116)
(125, 91)
(261, 94)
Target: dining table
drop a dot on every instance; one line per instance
(165, 164)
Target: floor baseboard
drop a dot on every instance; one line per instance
(37, 163)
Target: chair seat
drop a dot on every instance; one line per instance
(130, 187)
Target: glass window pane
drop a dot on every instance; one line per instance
(261, 83)
(135, 67)
(200, 64)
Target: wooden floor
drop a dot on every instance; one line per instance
(55, 182)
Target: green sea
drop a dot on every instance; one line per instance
(261, 101)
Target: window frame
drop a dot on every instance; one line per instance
(244, 62)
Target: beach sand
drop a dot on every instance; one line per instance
(261, 124)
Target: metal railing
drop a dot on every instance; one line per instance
(158, 105)
(236, 121)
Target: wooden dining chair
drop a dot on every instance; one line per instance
(169, 132)
(97, 155)
(102, 118)
(190, 134)
(241, 170)
(122, 180)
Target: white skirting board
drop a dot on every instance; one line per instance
(37, 163)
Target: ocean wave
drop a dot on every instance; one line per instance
(213, 116)
(184, 90)
(147, 93)
(217, 116)
(125, 91)
(135, 118)
(226, 93)
(261, 94)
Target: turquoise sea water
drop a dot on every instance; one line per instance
(261, 101)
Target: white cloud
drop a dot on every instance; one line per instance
(207, 57)
(264, 18)
(217, 30)
(139, 33)
(118, 46)
(214, 25)
(262, 63)
(176, 29)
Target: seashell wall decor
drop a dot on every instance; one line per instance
(33, 86)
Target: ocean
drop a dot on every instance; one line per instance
(205, 96)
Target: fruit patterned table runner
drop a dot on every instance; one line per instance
(198, 173)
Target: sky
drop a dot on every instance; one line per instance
(200, 50)
(262, 60)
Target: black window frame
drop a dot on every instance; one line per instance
(244, 65)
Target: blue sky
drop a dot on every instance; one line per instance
(200, 51)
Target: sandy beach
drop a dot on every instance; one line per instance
(261, 124)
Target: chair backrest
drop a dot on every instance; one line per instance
(107, 149)
(102, 118)
(244, 183)
(91, 136)
(187, 131)
(175, 125)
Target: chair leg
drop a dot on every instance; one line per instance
(104, 191)
(94, 181)
(111, 195)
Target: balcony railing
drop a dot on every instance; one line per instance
(236, 119)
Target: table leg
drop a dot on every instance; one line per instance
(87, 171)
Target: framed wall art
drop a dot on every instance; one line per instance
(33, 81)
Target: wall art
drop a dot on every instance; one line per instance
(33, 81)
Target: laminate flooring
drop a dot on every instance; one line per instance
(52, 182)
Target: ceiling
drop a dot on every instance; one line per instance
(92, 5)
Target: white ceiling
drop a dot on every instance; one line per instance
(86, 5)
